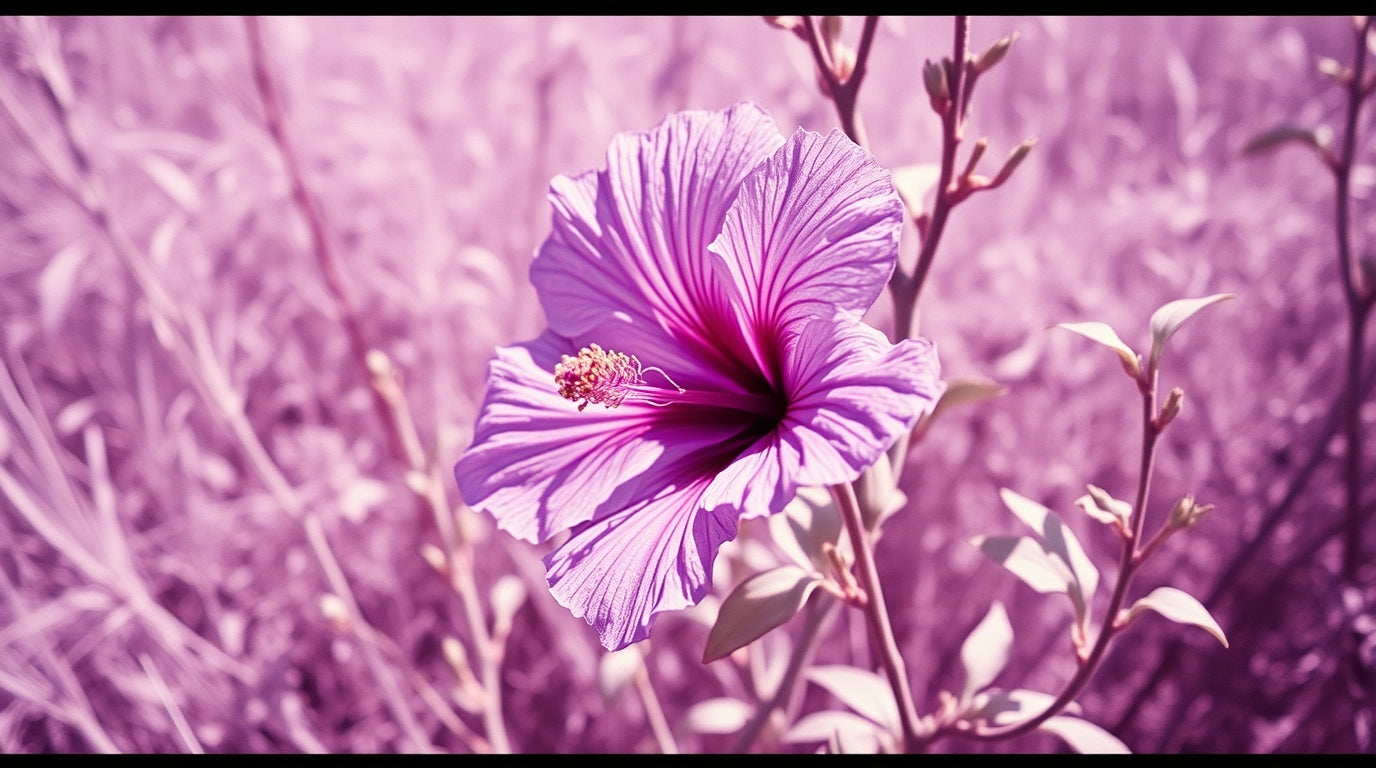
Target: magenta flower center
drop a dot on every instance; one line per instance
(610, 378)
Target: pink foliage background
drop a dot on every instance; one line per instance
(157, 595)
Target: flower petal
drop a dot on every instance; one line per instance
(852, 394)
(814, 228)
(617, 573)
(627, 265)
(538, 465)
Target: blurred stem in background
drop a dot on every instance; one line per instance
(389, 398)
(1358, 280)
(1359, 289)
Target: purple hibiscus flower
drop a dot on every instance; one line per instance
(705, 357)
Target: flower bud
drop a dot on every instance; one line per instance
(934, 79)
(1187, 514)
(336, 612)
(1174, 401)
(786, 23)
(994, 54)
(1366, 266)
(1015, 158)
(831, 29)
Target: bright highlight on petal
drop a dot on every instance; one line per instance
(738, 262)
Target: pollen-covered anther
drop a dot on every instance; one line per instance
(597, 375)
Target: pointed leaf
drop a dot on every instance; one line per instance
(959, 391)
(1018, 705)
(1099, 505)
(985, 652)
(1279, 136)
(809, 521)
(1025, 558)
(1085, 737)
(1179, 607)
(757, 605)
(720, 715)
(1058, 539)
(824, 726)
(863, 691)
(1168, 319)
(1102, 333)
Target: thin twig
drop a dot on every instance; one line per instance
(907, 289)
(877, 614)
(1130, 559)
(821, 610)
(1360, 294)
(654, 713)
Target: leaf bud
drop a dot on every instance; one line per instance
(1174, 401)
(994, 54)
(1187, 514)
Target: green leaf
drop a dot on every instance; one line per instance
(1085, 737)
(1179, 607)
(985, 651)
(1103, 334)
(757, 605)
(1025, 558)
(1168, 319)
(860, 689)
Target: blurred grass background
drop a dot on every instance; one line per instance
(161, 578)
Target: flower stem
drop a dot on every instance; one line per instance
(821, 609)
(1359, 294)
(907, 288)
(1130, 559)
(876, 613)
(845, 94)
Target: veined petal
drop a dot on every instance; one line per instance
(851, 395)
(759, 481)
(538, 465)
(814, 228)
(627, 263)
(617, 573)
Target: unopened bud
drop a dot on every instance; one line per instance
(1174, 401)
(1099, 505)
(435, 557)
(1367, 267)
(455, 655)
(831, 28)
(844, 60)
(378, 364)
(1334, 69)
(786, 23)
(1187, 514)
(975, 154)
(1015, 158)
(336, 612)
(994, 54)
(934, 79)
